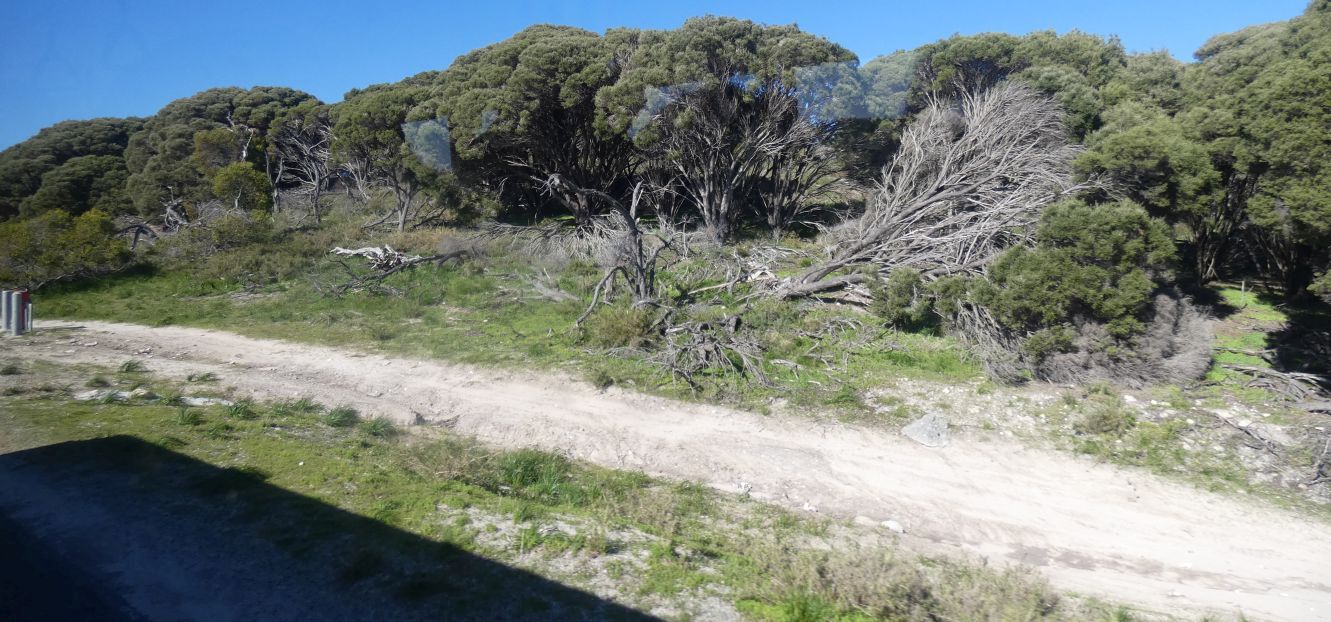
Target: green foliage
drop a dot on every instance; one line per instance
(381, 427)
(165, 159)
(1321, 287)
(241, 409)
(1098, 263)
(81, 184)
(95, 180)
(56, 246)
(904, 301)
(187, 417)
(243, 187)
(619, 327)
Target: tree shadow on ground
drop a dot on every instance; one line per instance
(1303, 344)
(121, 529)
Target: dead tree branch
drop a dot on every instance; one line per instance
(385, 262)
(969, 181)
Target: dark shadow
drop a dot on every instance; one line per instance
(121, 529)
(1303, 344)
(138, 272)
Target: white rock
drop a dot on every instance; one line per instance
(1243, 423)
(809, 507)
(203, 401)
(893, 526)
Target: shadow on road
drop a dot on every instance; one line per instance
(121, 529)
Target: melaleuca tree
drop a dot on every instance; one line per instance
(168, 166)
(81, 184)
(23, 166)
(243, 187)
(300, 141)
(1258, 100)
(369, 143)
(1072, 68)
(1148, 155)
(718, 101)
(524, 109)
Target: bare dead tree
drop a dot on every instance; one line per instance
(630, 255)
(970, 180)
(303, 152)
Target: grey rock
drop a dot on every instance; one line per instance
(929, 430)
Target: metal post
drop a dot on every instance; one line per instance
(17, 312)
(5, 311)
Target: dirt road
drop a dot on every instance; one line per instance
(1090, 528)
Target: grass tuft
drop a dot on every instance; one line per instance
(185, 416)
(342, 417)
(241, 409)
(133, 367)
(380, 427)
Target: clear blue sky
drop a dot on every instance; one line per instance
(76, 60)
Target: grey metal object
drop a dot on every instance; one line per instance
(15, 312)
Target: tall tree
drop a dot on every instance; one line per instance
(525, 108)
(161, 157)
(369, 142)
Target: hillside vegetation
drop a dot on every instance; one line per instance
(1053, 204)
(727, 212)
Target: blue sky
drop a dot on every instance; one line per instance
(76, 60)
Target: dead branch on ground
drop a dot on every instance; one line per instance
(385, 262)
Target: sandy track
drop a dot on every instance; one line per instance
(1089, 527)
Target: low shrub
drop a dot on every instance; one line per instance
(58, 247)
(619, 327)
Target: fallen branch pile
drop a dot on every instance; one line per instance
(385, 262)
(1295, 386)
(691, 348)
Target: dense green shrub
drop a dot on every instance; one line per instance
(1090, 263)
(56, 246)
(904, 300)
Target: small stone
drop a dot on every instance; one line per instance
(929, 430)
(1191, 421)
(1129, 399)
(1243, 423)
(809, 507)
(893, 526)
